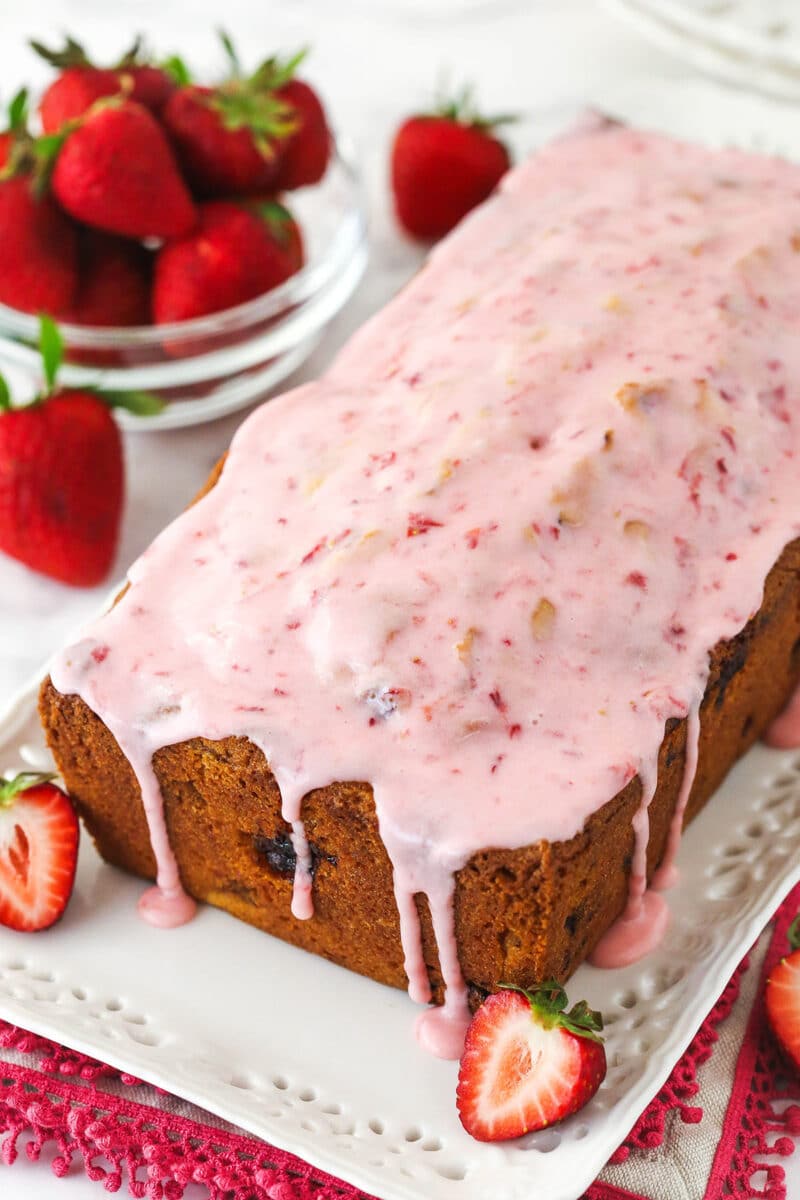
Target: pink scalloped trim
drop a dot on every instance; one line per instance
(748, 1144)
(59, 1060)
(156, 1154)
(682, 1085)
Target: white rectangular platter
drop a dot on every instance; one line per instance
(322, 1062)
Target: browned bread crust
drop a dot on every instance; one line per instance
(521, 915)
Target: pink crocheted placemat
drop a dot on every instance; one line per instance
(124, 1133)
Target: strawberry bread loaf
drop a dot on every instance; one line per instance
(458, 638)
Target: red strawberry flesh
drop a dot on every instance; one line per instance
(113, 283)
(520, 1073)
(305, 153)
(116, 172)
(73, 93)
(38, 250)
(38, 853)
(783, 999)
(217, 158)
(230, 259)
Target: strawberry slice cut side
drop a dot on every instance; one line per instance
(39, 836)
(528, 1063)
(782, 998)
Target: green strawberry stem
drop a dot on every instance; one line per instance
(11, 788)
(51, 349)
(18, 112)
(548, 1003)
(230, 51)
(177, 69)
(136, 56)
(277, 218)
(141, 404)
(72, 54)
(461, 109)
(5, 395)
(793, 933)
(275, 72)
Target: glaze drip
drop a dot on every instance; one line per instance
(504, 529)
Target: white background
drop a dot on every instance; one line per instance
(375, 60)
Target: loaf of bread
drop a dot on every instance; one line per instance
(521, 915)
(458, 639)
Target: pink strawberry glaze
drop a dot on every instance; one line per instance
(784, 732)
(481, 562)
(637, 932)
(667, 874)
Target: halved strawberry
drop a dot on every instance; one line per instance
(783, 997)
(38, 852)
(527, 1062)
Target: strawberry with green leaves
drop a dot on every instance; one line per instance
(306, 150)
(783, 998)
(39, 837)
(444, 164)
(62, 474)
(113, 169)
(80, 82)
(528, 1062)
(38, 245)
(229, 138)
(237, 252)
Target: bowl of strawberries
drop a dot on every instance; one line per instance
(191, 240)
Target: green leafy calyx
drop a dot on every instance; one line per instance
(462, 109)
(11, 788)
(250, 101)
(268, 118)
(793, 933)
(18, 113)
(51, 349)
(276, 72)
(278, 220)
(71, 54)
(548, 1003)
(177, 70)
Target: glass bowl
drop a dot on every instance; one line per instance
(213, 365)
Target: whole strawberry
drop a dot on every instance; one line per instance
(38, 852)
(783, 998)
(281, 227)
(38, 249)
(305, 153)
(62, 475)
(234, 255)
(443, 165)
(80, 83)
(528, 1063)
(114, 280)
(229, 138)
(38, 259)
(114, 170)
